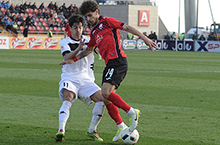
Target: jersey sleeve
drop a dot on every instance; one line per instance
(114, 23)
(92, 42)
(64, 47)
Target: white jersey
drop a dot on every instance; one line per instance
(78, 77)
(82, 68)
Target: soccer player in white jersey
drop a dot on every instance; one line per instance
(77, 81)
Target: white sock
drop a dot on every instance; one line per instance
(131, 112)
(122, 125)
(64, 115)
(97, 115)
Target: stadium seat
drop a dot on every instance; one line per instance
(42, 20)
(22, 28)
(19, 23)
(36, 11)
(3, 10)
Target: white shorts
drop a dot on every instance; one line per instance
(83, 90)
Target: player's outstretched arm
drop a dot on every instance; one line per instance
(146, 40)
(82, 54)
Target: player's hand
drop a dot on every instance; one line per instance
(69, 61)
(81, 43)
(151, 44)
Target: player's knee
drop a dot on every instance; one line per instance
(105, 94)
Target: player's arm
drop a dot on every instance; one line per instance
(134, 31)
(73, 54)
(82, 54)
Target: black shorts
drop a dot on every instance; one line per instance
(115, 71)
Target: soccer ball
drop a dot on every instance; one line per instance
(129, 137)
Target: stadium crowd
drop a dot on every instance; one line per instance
(39, 19)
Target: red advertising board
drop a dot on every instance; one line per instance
(143, 18)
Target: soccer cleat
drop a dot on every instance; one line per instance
(118, 134)
(60, 136)
(134, 120)
(94, 135)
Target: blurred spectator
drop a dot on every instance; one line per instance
(7, 5)
(33, 21)
(61, 16)
(154, 36)
(194, 36)
(29, 5)
(7, 13)
(182, 36)
(25, 31)
(173, 36)
(51, 6)
(5, 21)
(45, 14)
(12, 9)
(33, 6)
(55, 15)
(151, 35)
(62, 24)
(40, 14)
(75, 9)
(22, 10)
(41, 6)
(167, 37)
(20, 19)
(55, 6)
(145, 34)
(201, 37)
(63, 8)
(25, 5)
(17, 8)
(49, 33)
(2, 4)
(28, 21)
(14, 28)
(67, 14)
(212, 37)
(70, 7)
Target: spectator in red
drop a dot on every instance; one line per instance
(67, 31)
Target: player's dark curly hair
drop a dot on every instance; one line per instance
(88, 6)
(76, 19)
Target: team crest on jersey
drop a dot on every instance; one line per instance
(100, 26)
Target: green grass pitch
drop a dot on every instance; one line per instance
(178, 94)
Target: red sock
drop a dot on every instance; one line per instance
(119, 102)
(114, 113)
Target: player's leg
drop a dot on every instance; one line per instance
(113, 112)
(113, 74)
(89, 94)
(67, 95)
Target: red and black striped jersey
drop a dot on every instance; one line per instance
(106, 36)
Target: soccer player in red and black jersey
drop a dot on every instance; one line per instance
(106, 36)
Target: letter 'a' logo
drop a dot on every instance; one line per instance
(144, 18)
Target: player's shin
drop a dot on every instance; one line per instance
(64, 115)
(97, 115)
(119, 102)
